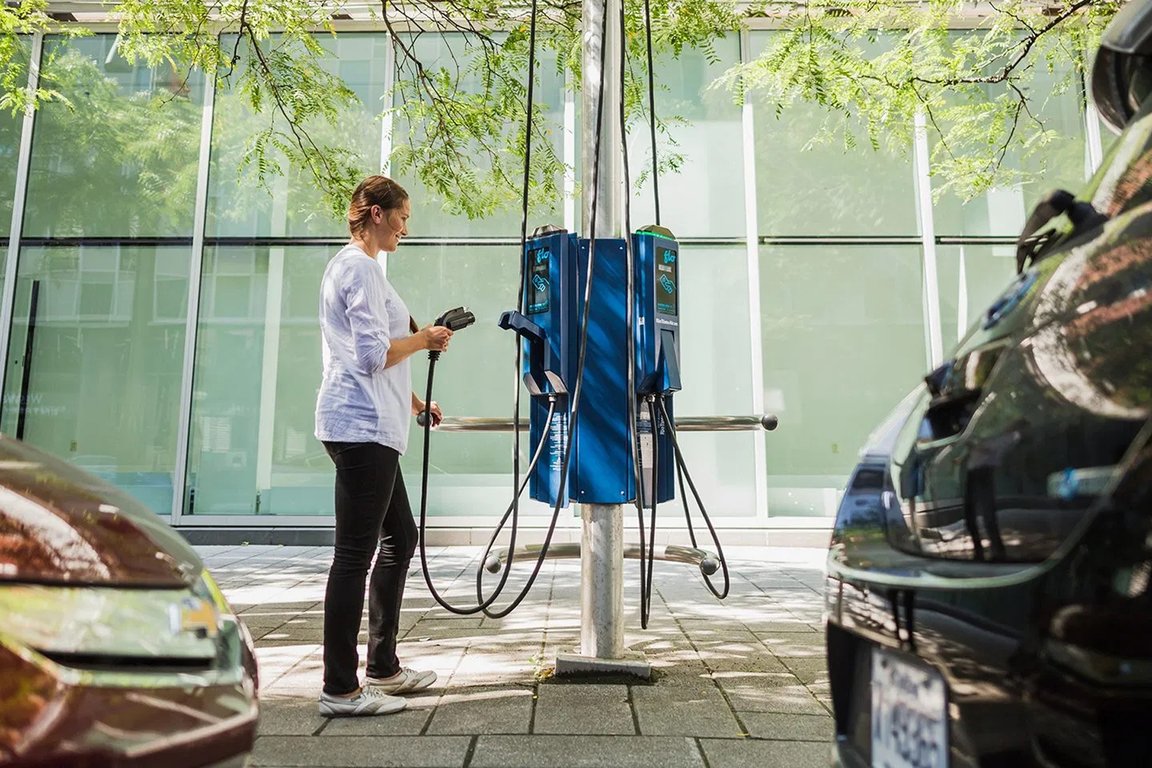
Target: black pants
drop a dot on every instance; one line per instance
(372, 516)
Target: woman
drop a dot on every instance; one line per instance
(363, 413)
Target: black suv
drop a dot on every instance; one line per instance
(989, 595)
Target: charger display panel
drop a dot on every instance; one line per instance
(539, 281)
(667, 281)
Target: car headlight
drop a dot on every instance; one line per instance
(100, 629)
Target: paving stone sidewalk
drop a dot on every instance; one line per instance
(740, 682)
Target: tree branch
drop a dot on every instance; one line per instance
(1025, 46)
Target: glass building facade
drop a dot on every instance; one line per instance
(160, 309)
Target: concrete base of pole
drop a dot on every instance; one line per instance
(632, 664)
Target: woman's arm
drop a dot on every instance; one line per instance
(432, 337)
(433, 408)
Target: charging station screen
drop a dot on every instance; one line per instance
(667, 281)
(539, 285)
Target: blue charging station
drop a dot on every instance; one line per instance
(657, 365)
(602, 454)
(598, 324)
(549, 329)
(556, 275)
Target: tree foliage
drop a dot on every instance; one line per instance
(18, 21)
(983, 83)
(132, 166)
(460, 92)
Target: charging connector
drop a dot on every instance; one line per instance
(454, 320)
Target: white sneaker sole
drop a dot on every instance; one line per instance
(328, 710)
(410, 684)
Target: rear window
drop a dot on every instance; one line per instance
(1010, 489)
(1003, 459)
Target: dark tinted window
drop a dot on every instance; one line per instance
(1047, 428)
(868, 480)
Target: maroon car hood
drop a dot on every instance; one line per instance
(60, 525)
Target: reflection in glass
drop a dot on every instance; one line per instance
(806, 188)
(843, 335)
(121, 160)
(705, 196)
(970, 278)
(10, 128)
(251, 448)
(1061, 164)
(103, 379)
(238, 205)
(451, 51)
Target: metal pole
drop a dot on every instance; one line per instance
(602, 540)
(602, 581)
(604, 181)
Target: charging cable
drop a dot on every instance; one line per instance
(457, 319)
(454, 319)
(682, 473)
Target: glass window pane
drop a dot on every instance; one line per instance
(1062, 164)
(843, 333)
(121, 160)
(258, 370)
(471, 472)
(237, 205)
(251, 449)
(715, 341)
(430, 211)
(970, 279)
(705, 196)
(805, 188)
(11, 126)
(107, 351)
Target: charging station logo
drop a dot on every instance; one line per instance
(669, 257)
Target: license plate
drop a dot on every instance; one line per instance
(909, 714)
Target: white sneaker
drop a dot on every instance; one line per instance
(405, 681)
(370, 701)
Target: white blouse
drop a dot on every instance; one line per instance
(361, 401)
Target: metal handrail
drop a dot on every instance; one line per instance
(683, 423)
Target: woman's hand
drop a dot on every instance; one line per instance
(435, 337)
(433, 410)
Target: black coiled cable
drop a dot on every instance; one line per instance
(682, 473)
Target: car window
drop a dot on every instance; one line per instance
(1045, 432)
